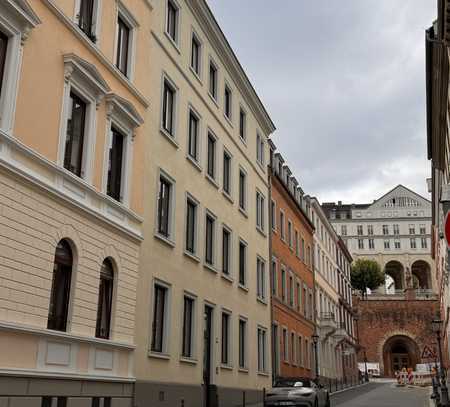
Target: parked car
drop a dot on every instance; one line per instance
(298, 392)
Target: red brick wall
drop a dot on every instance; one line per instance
(381, 319)
(282, 313)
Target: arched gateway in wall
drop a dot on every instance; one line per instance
(399, 351)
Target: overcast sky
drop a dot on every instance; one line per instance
(344, 82)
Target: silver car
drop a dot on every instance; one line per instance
(298, 392)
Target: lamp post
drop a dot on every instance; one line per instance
(315, 339)
(436, 326)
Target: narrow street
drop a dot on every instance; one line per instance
(382, 395)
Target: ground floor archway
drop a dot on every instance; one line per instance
(394, 272)
(421, 274)
(400, 351)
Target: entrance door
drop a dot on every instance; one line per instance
(207, 336)
(400, 361)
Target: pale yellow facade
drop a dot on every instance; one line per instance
(42, 203)
(165, 260)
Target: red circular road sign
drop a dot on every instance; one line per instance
(447, 229)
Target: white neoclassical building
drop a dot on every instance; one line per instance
(394, 230)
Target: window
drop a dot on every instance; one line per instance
(300, 351)
(168, 109)
(371, 244)
(116, 160)
(226, 250)
(123, 45)
(209, 239)
(285, 345)
(397, 244)
(213, 80)
(370, 230)
(260, 204)
(282, 225)
(360, 243)
(413, 243)
(191, 225)
(412, 229)
(396, 230)
(303, 250)
(299, 296)
(385, 229)
(242, 343)
(211, 162)
(262, 350)
(99, 402)
(283, 285)
(228, 102)
(105, 294)
(293, 355)
(76, 123)
(274, 277)
(165, 207)
(344, 230)
(242, 263)
(242, 124)
(172, 20)
(227, 172)
(86, 18)
(193, 136)
(290, 233)
(260, 279)
(61, 284)
(196, 54)
(188, 327)
(423, 241)
(242, 190)
(297, 244)
(259, 149)
(359, 230)
(291, 291)
(422, 229)
(225, 354)
(273, 220)
(48, 401)
(159, 318)
(387, 244)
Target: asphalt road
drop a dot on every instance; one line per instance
(382, 395)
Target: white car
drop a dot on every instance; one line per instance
(297, 392)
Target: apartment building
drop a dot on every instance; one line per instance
(203, 332)
(327, 294)
(72, 140)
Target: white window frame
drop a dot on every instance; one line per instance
(244, 110)
(193, 160)
(175, 42)
(213, 180)
(228, 276)
(195, 254)
(273, 215)
(133, 25)
(173, 138)
(197, 38)
(245, 320)
(16, 23)
(264, 355)
(83, 79)
(212, 266)
(96, 20)
(215, 98)
(260, 216)
(171, 238)
(243, 242)
(261, 278)
(283, 226)
(167, 317)
(121, 114)
(260, 150)
(229, 338)
(193, 355)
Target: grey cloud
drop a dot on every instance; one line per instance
(344, 82)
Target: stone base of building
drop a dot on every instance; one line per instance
(29, 391)
(157, 394)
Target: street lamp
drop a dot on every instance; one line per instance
(315, 339)
(436, 327)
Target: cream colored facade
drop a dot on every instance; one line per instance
(327, 294)
(165, 375)
(41, 203)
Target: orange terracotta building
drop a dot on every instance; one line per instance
(292, 279)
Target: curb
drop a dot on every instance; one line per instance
(350, 388)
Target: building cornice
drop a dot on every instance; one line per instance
(216, 37)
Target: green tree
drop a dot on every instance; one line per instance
(366, 274)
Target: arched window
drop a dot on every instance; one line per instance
(105, 294)
(60, 294)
